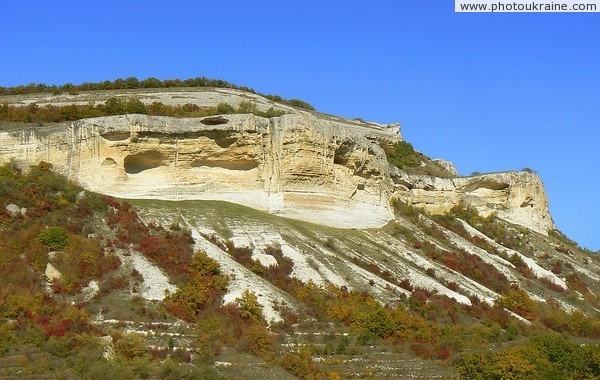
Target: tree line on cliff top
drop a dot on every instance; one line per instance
(33, 113)
(133, 83)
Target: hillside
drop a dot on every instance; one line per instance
(272, 241)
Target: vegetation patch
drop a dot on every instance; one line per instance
(403, 156)
(117, 106)
(133, 83)
(54, 237)
(42, 334)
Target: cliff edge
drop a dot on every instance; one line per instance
(303, 165)
(295, 165)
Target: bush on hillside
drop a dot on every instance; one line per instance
(54, 237)
(401, 154)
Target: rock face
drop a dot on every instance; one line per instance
(296, 165)
(303, 165)
(517, 197)
(15, 210)
(447, 165)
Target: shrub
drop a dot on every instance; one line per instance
(172, 251)
(430, 272)
(134, 105)
(115, 106)
(224, 108)
(247, 106)
(470, 265)
(271, 112)
(131, 346)
(401, 154)
(205, 265)
(118, 106)
(203, 290)
(473, 365)
(213, 334)
(576, 283)
(300, 104)
(514, 363)
(54, 237)
(518, 300)
(299, 363)
(196, 295)
(259, 342)
(249, 307)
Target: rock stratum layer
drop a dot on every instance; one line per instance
(303, 165)
(517, 197)
(294, 165)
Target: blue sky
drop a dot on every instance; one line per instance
(489, 92)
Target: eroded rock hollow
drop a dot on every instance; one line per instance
(294, 165)
(326, 170)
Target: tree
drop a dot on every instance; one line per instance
(205, 265)
(114, 106)
(134, 105)
(518, 300)
(247, 107)
(249, 307)
(224, 108)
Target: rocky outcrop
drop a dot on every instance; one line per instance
(447, 166)
(296, 165)
(309, 166)
(15, 210)
(517, 197)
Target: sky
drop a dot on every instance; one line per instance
(489, 92)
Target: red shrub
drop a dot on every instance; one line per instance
(444, 353)
(173, 252)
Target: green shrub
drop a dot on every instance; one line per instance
(299, 363)
(134, 105)
(224, 108)
(249, 307)
(114, 106)
(300, 104)
(54, 237)
(271, 112)
(402, 154)
(247, 107)
(131, 346)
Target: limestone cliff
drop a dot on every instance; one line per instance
(517, 197)
(296, 165)
(304, 165)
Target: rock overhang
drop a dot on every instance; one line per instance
(286, 165)
(305, 165)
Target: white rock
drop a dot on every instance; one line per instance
(447, 165)
(13, 209)
(51, 274)
(156, 283)
(517, 197)
(299, 165)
